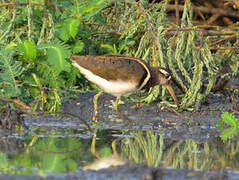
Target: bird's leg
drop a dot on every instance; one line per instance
(95, 104)
(93, 151)
(116, 103)
(113, 145)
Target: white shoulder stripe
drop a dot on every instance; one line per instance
(147, 77)
(145, 67)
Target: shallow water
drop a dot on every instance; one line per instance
(62, 151)
(148, 143)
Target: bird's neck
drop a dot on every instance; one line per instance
(153, 79)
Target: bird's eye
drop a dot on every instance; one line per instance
(165, 73)
(168, 76)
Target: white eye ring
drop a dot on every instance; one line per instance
(165, 73)
(168, 77)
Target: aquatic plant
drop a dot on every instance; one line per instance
(228, 126)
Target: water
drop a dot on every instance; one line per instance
(61, 151)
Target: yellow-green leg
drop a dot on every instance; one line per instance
(95, 104)
(116, 103)
(113, 145)
(93, 151)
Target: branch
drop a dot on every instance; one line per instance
(114, 33)
(220, 11)
(223, 40)
(20, 4)
(206, 30)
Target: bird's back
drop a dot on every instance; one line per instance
(114, 67)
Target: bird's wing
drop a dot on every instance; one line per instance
(115, 67)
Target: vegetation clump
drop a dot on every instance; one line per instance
(37, 38)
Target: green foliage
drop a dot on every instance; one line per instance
(105, 151)
(57, 55)
(77, 47)
(109, 49)
(157, 150)
(68, 29)
(38, 71)
(40, 38)
(89, 9)
(10, 73)
(230, 120)
(43, 155)
(149, 144)
(28, 51)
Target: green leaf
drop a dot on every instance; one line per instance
(109, 48)
(126, 44)
(228, 132)
(49, 75)
(57, 60)
(10, 46)
(10, 70)
(105, 151)
(62, 32)
(78, 47)
(57, 55)
(28, 51)
(92, 8)
(69, 28)
(72, 26)
(230, 119)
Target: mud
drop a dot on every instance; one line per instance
(197, 125)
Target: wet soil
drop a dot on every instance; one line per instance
(133, 173)
(197, 125)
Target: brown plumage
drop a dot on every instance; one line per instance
(114, 67)
(119, 75)
(111, 68)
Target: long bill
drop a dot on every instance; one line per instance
(171, 92)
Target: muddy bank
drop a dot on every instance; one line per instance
(133, 173)
(198, 125)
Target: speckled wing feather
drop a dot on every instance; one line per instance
(113, 67)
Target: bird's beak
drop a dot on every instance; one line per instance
(171, 92)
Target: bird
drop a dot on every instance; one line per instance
(119, 75)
